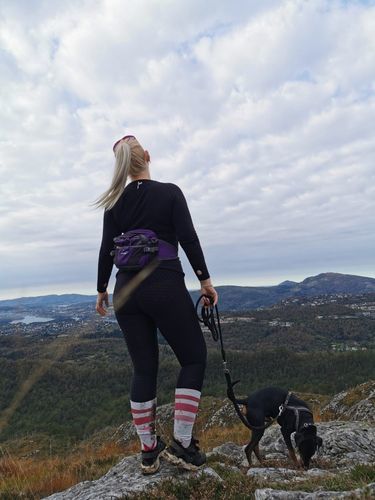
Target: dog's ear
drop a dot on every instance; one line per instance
(308, 429)
(319, 442)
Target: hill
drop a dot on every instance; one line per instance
(234, 298)
(240, 298)
(47, 300)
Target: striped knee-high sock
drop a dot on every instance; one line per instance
(185, 412)
(144, 420)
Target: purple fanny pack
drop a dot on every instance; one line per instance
(136, 248)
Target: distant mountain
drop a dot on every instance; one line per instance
(47, 300)
(288, 283)
(328, 283)
(239, 298)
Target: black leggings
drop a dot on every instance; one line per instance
(161, 301)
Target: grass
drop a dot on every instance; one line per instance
(357, 393)
(34, 478)
(26, 475)
(36, 466)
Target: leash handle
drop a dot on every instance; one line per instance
(209, 316)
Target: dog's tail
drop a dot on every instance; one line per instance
(231, 395)
(230, 385)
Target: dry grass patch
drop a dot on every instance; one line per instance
(38, 477)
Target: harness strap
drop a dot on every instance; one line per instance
(284, 406)
(297, 410)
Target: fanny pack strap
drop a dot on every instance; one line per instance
(167, 251)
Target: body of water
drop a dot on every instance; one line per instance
(31, 319)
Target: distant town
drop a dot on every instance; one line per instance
(339, 319)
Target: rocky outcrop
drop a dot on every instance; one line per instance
(347, 443)
(223, 417)
(270, 494)
(344, 444)
(284, 475)
(357, 403)
(126, 478)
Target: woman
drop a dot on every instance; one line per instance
(159, 301)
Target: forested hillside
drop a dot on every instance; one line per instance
(87, 388)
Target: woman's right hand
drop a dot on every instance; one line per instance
(209, 290)
(102, 300)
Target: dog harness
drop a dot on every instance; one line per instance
(297, 410)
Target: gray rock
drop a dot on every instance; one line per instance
(315, 472)
(278, 474)
(344, 444)
(273, 456)
(207, 471)
(347, 443)
(125, 478)
(233, 468)
(283, 475)
(230, 450)
(270, 494)
(223, 417)
(354, 404)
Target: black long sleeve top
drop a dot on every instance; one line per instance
(148, 204)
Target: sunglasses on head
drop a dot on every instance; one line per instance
(122, 138)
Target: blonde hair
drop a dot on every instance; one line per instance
(130, 160)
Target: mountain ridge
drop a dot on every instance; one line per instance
(236, 297)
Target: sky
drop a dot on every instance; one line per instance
(262, 111)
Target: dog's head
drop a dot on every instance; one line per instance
(307, 442)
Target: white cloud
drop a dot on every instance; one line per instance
(261, 113)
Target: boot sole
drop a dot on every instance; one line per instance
(151, 469)
(180, 462)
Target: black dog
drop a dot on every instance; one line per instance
(295, 416)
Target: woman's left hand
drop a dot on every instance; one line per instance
(100, 301)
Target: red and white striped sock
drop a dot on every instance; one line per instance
(185, 412)
(144, 420)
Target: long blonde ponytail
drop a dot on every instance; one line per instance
(120, 175)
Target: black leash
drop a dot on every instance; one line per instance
(209, 316)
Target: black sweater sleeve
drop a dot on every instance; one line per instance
(187, 236)
(105, 264)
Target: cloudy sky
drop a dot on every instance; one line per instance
(262, 111)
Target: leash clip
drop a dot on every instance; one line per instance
(226, 370)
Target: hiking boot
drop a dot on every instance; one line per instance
(190, 458)
(150, 459)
